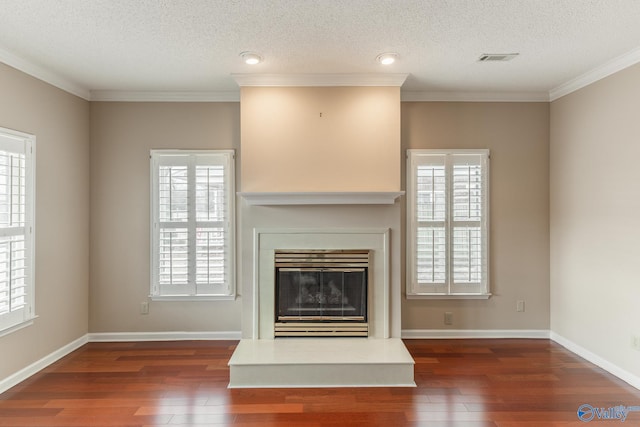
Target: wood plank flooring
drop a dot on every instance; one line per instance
(467, 383)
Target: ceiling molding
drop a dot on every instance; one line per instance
(164, 96)
(328, 79)
(608, 68)
(43, 74)
(474, 96)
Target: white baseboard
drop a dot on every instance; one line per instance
(474, 333)
(163, 336)
(23, 374)
(624, 375)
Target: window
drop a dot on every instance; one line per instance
(192, 225)
(16, 229)
(447, 223)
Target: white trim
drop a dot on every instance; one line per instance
(35, 367)
(474, 333)
(43, 74)
(447, 296)
(164, 96)
(163, 336)
(321, 198)
(326, 79)
(610, 67)
(322, 385)
(18, 326)
(416, 96)
(623, 374)
(192, 297)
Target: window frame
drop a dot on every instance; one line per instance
(445, 290)
(193, 158)
(20, 142)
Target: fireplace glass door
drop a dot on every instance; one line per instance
(322, 295)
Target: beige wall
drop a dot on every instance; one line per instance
(563, 206)
(595, 201)
(117, 260)
(518, 136)
(121, 136)
(60, 122)
(320, 138)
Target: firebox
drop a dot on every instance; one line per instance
(321, 293)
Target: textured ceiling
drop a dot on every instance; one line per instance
(193, 45)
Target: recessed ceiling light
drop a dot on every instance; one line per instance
(387, 58)
(251, 58)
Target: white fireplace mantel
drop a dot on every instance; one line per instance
(321, 198)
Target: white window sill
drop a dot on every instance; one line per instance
(192, 297)
(452, 296)
(21, 325)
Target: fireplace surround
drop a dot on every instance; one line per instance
(263, 360)
(380, 359)
(268, 242)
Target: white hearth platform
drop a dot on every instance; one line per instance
(321, 362)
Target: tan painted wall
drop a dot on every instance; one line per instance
(288, 146)
(518, 136)
(60, 122)
(121, 136)
(595, 201)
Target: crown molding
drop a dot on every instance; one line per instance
(349, 79)
(409, 96)
(43, 74)
(608, 68)
(164, 96)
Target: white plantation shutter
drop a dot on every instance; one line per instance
(192, 223)
(431, 211)
(447, 217)
(16, 228)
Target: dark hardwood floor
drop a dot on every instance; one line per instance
(499, 383)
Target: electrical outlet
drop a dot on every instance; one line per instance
(448, 318)
(635, 342)
(144, 307)
(520, 306)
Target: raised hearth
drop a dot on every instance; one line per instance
(321, 362)
(264, 360)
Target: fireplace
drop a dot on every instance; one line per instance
(321, 293)
(324, 359)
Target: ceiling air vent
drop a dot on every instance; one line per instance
(493, 57)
